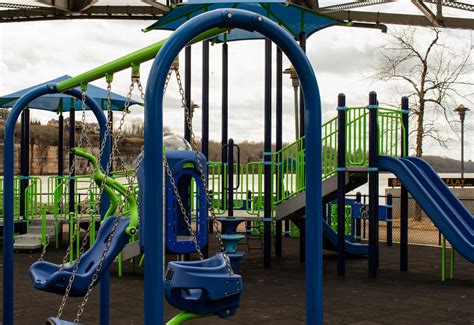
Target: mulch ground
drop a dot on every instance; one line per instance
(277, 295)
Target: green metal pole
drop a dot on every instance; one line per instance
(451, 269)
(56, 230)
(78, 235)
(443, 259)
(131, 60)
(119, 262)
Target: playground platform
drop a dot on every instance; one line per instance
(277, 295)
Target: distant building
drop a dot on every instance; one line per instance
(53, 123)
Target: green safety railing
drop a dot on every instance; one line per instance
(290, 160)
(33, 197)
(357, 132)
(253, 172)
(391, 132)
(329, 143)
(289, 165)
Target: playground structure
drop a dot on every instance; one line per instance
(385, 135)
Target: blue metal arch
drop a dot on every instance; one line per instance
(9, 158)
(230, 18)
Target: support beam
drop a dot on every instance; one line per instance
(353, 5)
(427, 12)
(158, 5)
(66, 5)
(400, 19)
(453, 4)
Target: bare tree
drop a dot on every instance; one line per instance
(435, 74)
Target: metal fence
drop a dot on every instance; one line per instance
(421, 230)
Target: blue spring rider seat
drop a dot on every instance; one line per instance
(203, 287)
(47, 276)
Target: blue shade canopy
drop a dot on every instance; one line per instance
(293, 18)
(64, 103)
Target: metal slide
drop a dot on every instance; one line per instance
(454, 221)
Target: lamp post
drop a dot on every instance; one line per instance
(296, 84)
(461, 110)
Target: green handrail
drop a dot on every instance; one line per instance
(110, 184)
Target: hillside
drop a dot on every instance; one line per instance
(449, 165)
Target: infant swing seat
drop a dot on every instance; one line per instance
(203, 287)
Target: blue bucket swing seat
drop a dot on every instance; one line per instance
(49, 277)
(206, 287)
(203, 287)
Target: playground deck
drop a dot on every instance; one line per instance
(277, 295)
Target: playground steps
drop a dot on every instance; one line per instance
(32, 239)
(294, 207)
(130, 250)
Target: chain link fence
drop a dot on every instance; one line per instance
(421, 230)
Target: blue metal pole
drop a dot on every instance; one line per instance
(267, 156)
(341, 183)
(373, 184)
(187, 90)
(205, 120)
(230, 18)
(24, 165)
(404, 192)
(279, 145)
(8, 266)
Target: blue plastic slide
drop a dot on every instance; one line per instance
(330, 242)
(454, 221)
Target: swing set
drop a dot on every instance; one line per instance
(200, 288)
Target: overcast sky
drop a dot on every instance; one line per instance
(343, 59)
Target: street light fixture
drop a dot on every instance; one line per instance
(296, 84)
(461, 110)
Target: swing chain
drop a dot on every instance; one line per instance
(96, 205)
(130, 181)
(70, 177)
(202, 174)
(96, 274)
(106, 249)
